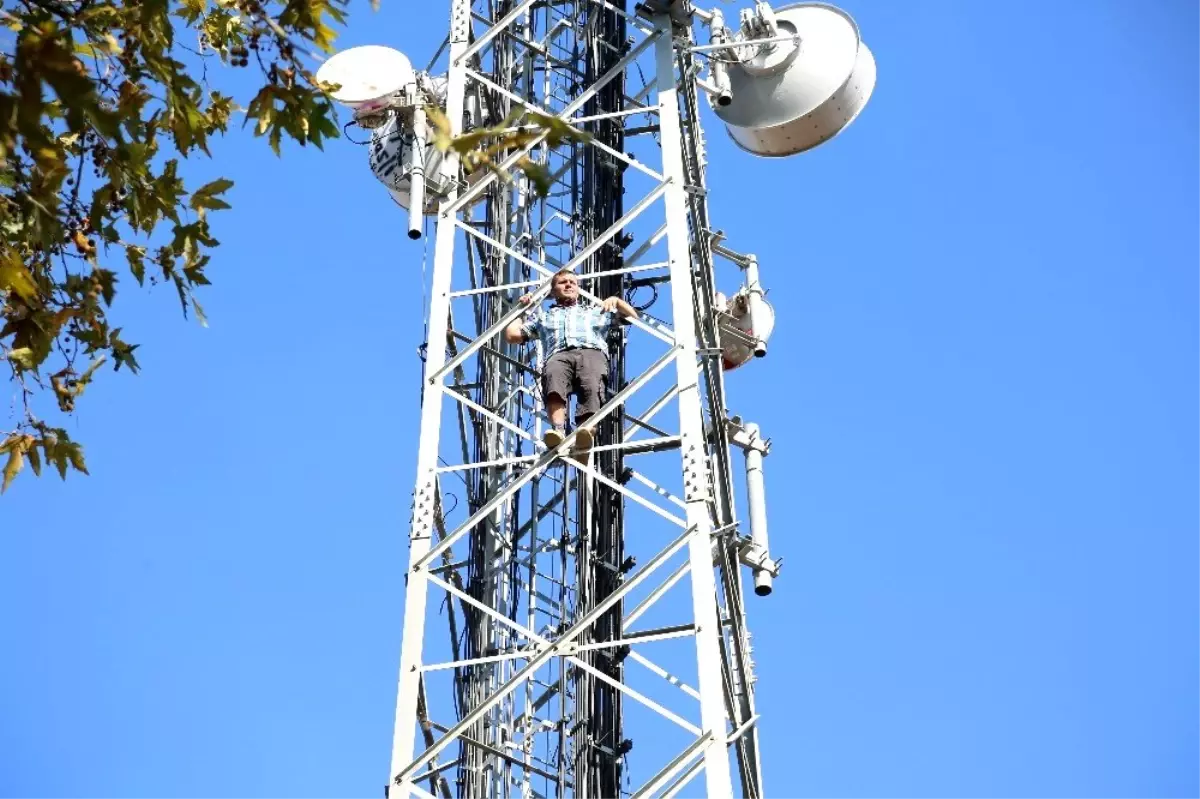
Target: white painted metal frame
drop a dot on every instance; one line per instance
(709, 750)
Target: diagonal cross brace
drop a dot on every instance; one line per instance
(599, 145)
(494, 31)
(655, 329)
(474, 191)
(578, 628)
(515, 485)
(540, 294)
(677, 764)
(563, 647)
(614, 485)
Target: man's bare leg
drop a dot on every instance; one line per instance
(556, 407)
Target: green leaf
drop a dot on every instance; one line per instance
(195, 273)
(122, 352)
(538, 174)
(75, 455)
(219, 110)
(32, 332)
(326, 126)
(206, 195)
(56, 453)
(108, 280)
(137, 262)
(191, 10)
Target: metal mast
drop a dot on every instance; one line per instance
(578, 628)
(533, 571)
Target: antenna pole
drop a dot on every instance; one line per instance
(426, 497)
(696, 480)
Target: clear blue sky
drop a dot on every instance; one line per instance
(982, 392)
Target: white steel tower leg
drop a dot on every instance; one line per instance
(691, 427)
(424, 504)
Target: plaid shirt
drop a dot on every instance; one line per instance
(563, 326)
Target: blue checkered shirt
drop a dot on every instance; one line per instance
(563, 326)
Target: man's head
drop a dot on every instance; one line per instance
(564, 287)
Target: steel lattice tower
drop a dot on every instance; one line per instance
(579, 628)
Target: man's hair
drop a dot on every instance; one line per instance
(554, 280)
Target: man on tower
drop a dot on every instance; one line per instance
(573, 337)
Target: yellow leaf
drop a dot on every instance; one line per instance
(206, 195)
(86, 377)
(108, 45)
(23, 357)
(264, 121)
(16, 459)
(441, 127)
(15, 277)
(75, 454)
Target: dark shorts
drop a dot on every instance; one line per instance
(582, 372)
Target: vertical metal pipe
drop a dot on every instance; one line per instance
(756, 498)
(720, 72)
(757, 311)
(416, 192)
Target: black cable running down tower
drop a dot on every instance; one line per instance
(600, 746)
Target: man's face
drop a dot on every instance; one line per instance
(566, 287)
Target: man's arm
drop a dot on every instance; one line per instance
(618, 305)
(515, 332)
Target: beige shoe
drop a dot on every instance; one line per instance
(552, 438)
(583, 445)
